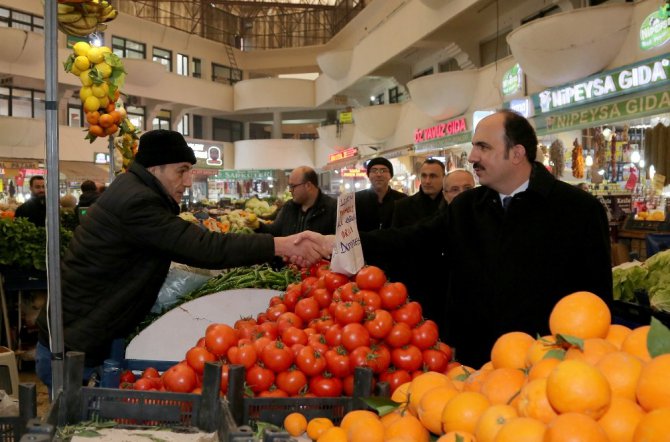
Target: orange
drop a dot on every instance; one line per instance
(502, 385)
(393, 416)
(354, 417)
(580, 314)
(295, 424)
(522, 429)
(475, 380)
(486, 366)
(96, 130)
(431, 406)
(621, 419)
(111, 130)
(333, 434)
(105, 120)
(579, 387)
(653, 388)
(407, 427)
(421, 384)
(542, 368)
(463, 411)
(571, 427)
(457, 436)
(533, 401)
(539, 349)
(654, 427)
(492, 420)
(400, 393)
(622, 371)
(594, 350)
(510, 349)
(92, 117)
(317, 426)
(617, 334)
(636, 343)
(362, 425)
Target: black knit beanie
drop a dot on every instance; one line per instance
(381, 162)
(158, 147)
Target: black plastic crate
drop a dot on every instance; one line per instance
(13, 427)
(634, 315)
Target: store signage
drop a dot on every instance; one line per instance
(618, 110)
(521, 106)
(33, 172)
(353, 173)
(346, 117)
(512, 81)
(440, 131)
(208, 172)
(100, 158)
(251, 174)
(651, 73)
(444, 143)
(655, 29)
(17, 164)
(346, 153)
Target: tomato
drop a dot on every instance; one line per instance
(261, 342)
(294, 335)
(348, 385)
(338, 362)
(150, 372)
(425, 335)
(196, 358)
(395, 378)
(307, 309)
(322, 297)
(407, 358)
(323, 324)
(308, 284)
(370, 300)
(382, 358)
(277, 357)
(379, 324)
(225, 368)
(245, 354)
(370, 278)
(248, 332)
(291, 381)
(393, 295)
(361, 357)
(291, 298)
(434, 360)
(322, 268)
(333, 335)
(346, 292)
(275, 311)
(273, 392)
(310, 361)
(334, 281)
(201, 342)
(245, 321)
(219, 338)
(127, 376)
(143, 384)
(355, 335)
(446, 349)
(400, 334)
(273, 301)
(409, 313)
(318, 341)
(295, 349)
(309, 331)
(452, 364)
(287, 320)
(348, 312)
(259, 378)
(180, 378)
(261, 318)
(323, 386)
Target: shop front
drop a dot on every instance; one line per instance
(239, 184)
(339, 174)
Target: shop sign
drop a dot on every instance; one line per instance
(346, 117)
(631, 78)
(251, 174)
(440, 131)
(18, 164)
(100, 158)
(346, 153)
(209, 153)
(618, 110)
(33, 172)
(444, 143)
(521, 106)
(207, 172)
(353, 173)
(512, 80)
(655, 29)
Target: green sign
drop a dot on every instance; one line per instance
(444, 142)
(655, 29)
(650, 73)
(512, 80)
(606, 113)
(252, 174)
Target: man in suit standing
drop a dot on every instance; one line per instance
(374, 206)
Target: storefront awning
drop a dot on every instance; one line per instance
(78, 171)
(340, 164)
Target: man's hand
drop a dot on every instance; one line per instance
(303, 249)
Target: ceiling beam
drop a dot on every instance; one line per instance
(254, 3)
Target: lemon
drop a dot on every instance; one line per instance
(74, 70)
(85, 92)
(81, 63)
(85, 79)
(95, 55)
(105, 50)
(91, 104)
(81, 48)
(100, 90)
(104, 101)
(104, 69)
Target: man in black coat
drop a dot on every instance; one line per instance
(89, 194)
(374, 206)
(35, 209)
(426, 201)
(506, 264)
(310, 209)
(121, 252)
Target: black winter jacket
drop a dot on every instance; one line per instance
(408, 211)
(35, 209)
(506, 270)
(370, 214)
(321, 218)
(121, 253)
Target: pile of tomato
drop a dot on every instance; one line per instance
(310, 339)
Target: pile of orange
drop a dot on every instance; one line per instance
(608, 389)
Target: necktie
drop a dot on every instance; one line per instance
(506, 201)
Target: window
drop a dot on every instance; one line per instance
(164, 57)
(183, 126)
(394, 95)
(182, 64)
(20, 102)
(226, 130)
(125, 48)
(74, 116)
(494, 49)
(162, 120)
(424, 73)
(136, 115)
(11, 18)
(225, 74)
(197, 68)
(197, 126)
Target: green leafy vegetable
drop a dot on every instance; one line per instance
(658, 340)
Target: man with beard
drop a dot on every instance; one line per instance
(513, 246)
(35, 209)
(374, 206)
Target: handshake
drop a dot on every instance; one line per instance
(305, 248)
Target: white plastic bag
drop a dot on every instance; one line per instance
(181, 280)
(347, 255)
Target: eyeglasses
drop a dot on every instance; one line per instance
(380, 171)
(291, 187)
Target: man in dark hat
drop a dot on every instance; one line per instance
(374, 206)
(121, 252)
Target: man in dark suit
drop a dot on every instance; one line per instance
(35, 209)
(426, 201)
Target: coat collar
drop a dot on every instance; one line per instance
(541, 182)
(152, 182)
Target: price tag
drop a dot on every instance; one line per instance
(347, 255)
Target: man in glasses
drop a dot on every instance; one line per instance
(455, 182)
(374, 206)
(310, 209)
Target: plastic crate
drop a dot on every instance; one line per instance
(637, 314)
(13, 427)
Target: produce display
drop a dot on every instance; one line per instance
(82, 18)
(23, 244)
(652, 276)
(577, 160)
(229, 221)
(262, 209)
(557, 158)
